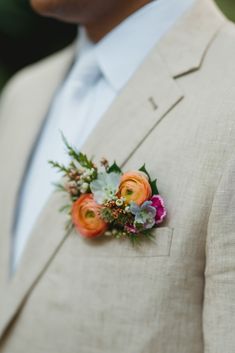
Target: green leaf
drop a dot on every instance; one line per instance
(144, 170)
(114, 169)
(149, 235)
(153, 184)
(76, 155)
(84, 161)
(65, 208)
(135, 240)
(59, 167)
(60, 187)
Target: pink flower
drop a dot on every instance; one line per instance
(130, 228)
(158, 203)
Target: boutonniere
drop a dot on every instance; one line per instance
(107, 201)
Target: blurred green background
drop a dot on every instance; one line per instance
(26, 37)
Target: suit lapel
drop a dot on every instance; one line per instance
(18, 135)
(184, 47)
(146, 100)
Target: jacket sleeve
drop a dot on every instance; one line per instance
(219, 296)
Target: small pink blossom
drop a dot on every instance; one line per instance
(158, 203)
(131, 229)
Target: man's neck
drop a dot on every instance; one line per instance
(98, 29)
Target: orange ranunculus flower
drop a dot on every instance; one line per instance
(134, 186)
(86, 218)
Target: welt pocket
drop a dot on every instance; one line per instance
(159, 246)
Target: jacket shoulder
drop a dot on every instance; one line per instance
(27, 79)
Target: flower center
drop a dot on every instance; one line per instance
(129, 192)
(90, 214)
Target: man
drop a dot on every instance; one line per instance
(148, 82)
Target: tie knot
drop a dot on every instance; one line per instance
(86, 70)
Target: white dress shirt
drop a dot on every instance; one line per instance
(100, 72)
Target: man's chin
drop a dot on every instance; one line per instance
(46, 8)
(39, 6)
(55, 9)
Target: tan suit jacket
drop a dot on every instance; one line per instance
(174, 295)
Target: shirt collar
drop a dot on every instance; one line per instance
(122, 51)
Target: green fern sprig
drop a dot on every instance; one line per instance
(59, 167)
(77, 156)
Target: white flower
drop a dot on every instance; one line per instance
(108, 233)
(105, 187)
(84, 188)
(120, 202)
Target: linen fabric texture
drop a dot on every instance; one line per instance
(172, 295)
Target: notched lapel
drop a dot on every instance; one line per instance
(146, 99)
(184, 47)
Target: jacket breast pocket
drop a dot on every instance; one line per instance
(158, 245)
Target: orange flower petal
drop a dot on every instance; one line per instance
(135, 187)
(86, 217)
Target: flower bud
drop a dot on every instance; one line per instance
(84, 188)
